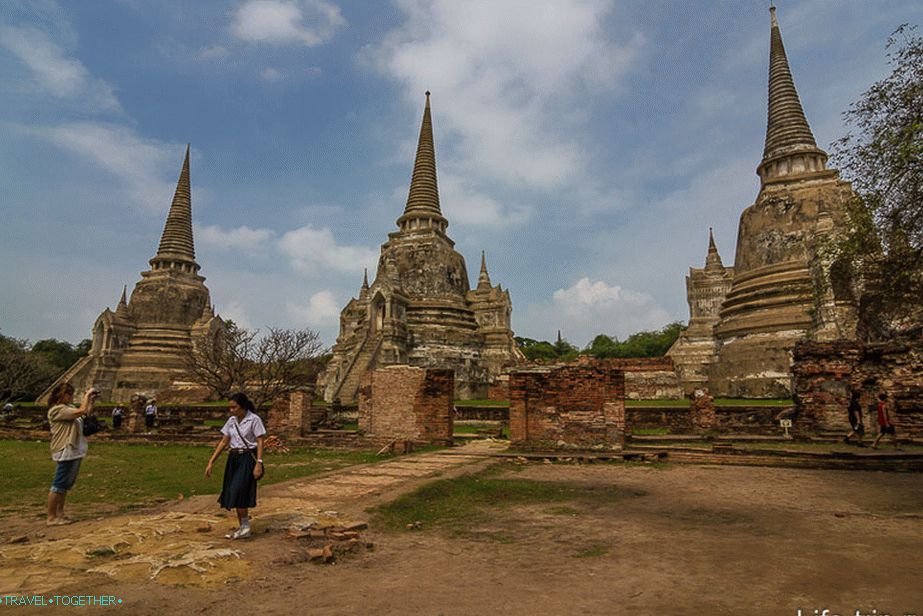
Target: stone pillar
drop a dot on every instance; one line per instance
(702, 410)
(407, 403)
(291, 415)
(136, 413)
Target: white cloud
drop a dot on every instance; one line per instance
(236, 311)
(466, 205)
(139, 164)
(308, 22)
(54, 71)
(272, 74)
(242, 239)
(213, 52)
(322, 309)
(313, 250)
(514, 78)
(590, 308)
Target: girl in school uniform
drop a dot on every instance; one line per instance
(243, 434)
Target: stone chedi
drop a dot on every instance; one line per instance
(420, 309)
(141, 345)
(781, 291)
(706, 289)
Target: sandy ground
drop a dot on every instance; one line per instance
(684, 540)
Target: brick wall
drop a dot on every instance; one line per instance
(577, 405)
(675, 419)
(408, 403)
(293, 415)
(499, 388)
(825, 373)
(702, 410)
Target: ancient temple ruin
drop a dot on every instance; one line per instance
(140, 346)
(706, 289)
(781, 291)
(420, 310)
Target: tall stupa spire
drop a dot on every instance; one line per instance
(484, 277)
(423, 198)
(176, 244)
(790, 146)
(713, 259)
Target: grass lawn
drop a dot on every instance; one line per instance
(683, 403)
(459, 504)
(474, 427)
(482, 403)
(118, 476)
(650, 431)
(884, 446)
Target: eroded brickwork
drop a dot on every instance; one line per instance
(407, 403)
(294, 415)
(825, 374)
(702, 410)
(577, 405)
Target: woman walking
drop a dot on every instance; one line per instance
(243, 432)
(885, 425)
(68, 445)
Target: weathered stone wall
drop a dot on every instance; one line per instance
(577, 405)
(675, 419)
(825, 374)
(407, 402)
(499, 389)
(749, 420)
(648, 378)
(293, 415)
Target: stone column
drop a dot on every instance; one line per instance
(702, 410)
(136, 413)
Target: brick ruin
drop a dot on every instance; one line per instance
(648, 378)
(407, 403)
(568, 406)
(825, 374)
(295, 414)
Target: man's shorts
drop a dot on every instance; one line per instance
(65, 476)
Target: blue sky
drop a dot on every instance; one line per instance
(586, 145)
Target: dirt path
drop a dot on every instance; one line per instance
(183, 542)
(681, 540)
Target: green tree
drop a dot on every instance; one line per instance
(59, 353)
(881, 253)
(23, 374)
(543, 350)
(640, 344)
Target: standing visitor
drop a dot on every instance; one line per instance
(884, 421)
(118, 413)
(243, 432)
(150, 415)
(68, 445)
(854, 414)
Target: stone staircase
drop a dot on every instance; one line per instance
(362, 361)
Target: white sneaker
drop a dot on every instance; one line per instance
(242, 533)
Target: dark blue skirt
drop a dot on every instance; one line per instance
(239, 488)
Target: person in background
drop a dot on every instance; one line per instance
(150, 415)
(854, 414)
(118, 413)
(244, 432)
(68, 445)
(885, 425)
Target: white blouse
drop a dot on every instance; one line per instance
(250, 428)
